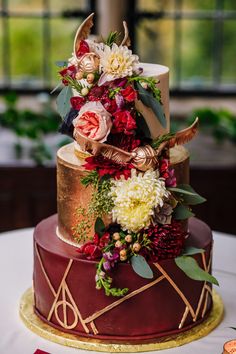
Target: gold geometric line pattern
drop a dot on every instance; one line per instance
(118, 302)
(59, 289)
(172, 283)
(205, 289)
(66, 294)
(44, 272)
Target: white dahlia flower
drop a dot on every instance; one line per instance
(116, 62)
(136, 198)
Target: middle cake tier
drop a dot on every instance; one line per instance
(73, 197)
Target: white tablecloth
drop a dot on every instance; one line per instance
(16, 265)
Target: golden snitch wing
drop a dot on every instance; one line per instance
(126, 40)
(185, 135)
(83, 31)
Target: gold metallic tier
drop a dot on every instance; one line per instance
(42, 329)
(71, 194)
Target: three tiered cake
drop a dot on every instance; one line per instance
(124, 261)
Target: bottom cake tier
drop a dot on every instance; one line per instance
(65, 296)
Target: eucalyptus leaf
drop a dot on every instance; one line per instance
(141, 267)
(147, 98)
(99, 226)
(194, 199)
(191, 268)
(63, 101)
(182, 212)
(143, 127)
(188, 251)
(180, 190)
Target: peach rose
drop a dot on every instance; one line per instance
(93, 121)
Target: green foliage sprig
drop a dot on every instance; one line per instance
(158, 141)
(112, 38)
(151, 84)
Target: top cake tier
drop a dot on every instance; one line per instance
(161, 74)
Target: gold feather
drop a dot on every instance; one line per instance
(126, 40)
(83, 31)
(185, 135)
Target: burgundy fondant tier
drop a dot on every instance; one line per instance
(66, 297)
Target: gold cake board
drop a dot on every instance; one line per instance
(36, 325)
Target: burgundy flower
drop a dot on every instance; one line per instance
(167, 241)
(123, 141)
(90, 250)
(105, 166)
(93, 249)
(129, 93)
(83, 48)
(167, 173)
(123, 123)
(70, 71)
(109, 104)
(39, 351)
(96, 93)
(77, 102)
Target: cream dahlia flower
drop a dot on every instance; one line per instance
(116, 62)
(136, 198)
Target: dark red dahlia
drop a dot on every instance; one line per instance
(167, 241)
(105, 166)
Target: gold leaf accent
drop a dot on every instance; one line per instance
(185, 135)
(126, 40)
(83, 31)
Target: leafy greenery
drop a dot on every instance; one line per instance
(31, 125)
(221, 124)
(186, 194)
(83, 226)
(158, 141)
(91, 178)
(151, 99)
(191, 268)
(104, 281)
(182, 212)
(63, 101)
(101, 202)
(141, 267)
(99, 226)
(189, 251)
(112, 38)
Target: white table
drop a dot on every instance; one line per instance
(16, 265)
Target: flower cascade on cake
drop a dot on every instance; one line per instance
(138, 209)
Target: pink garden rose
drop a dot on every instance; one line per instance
(93, 121)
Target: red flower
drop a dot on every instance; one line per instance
(90, 250)
(93, 249)
(69, 71)
(39, 351)
(123, 123)
(83, 48)
(109, 104)
(129, 94)
(77, 102)
(105, 166)
(167, 241)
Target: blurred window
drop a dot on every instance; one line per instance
(195, 38)
(34, 35)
